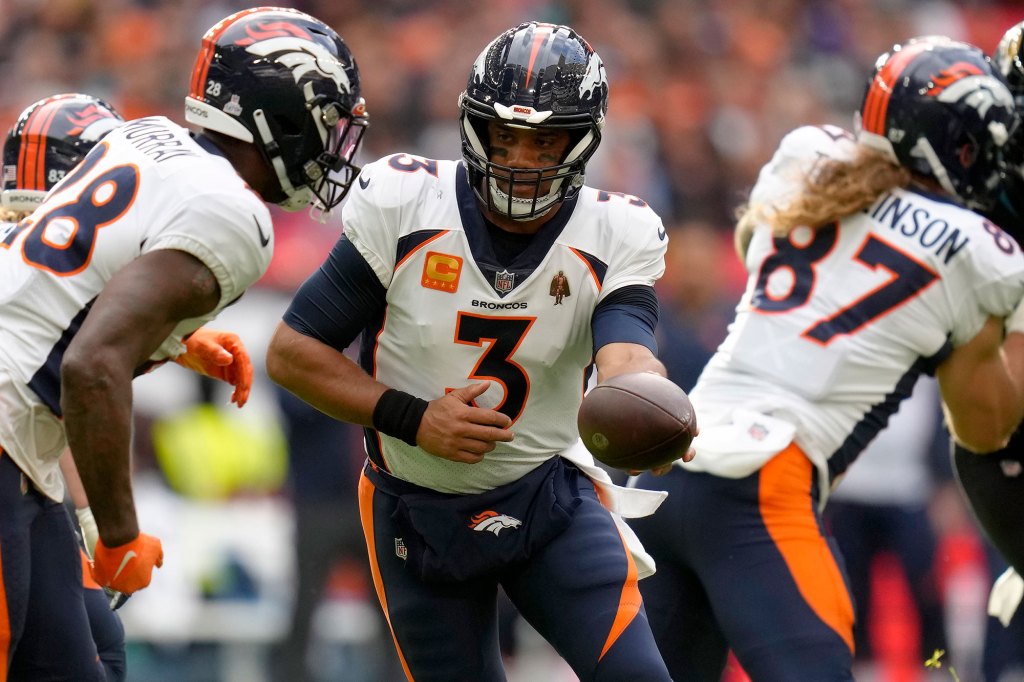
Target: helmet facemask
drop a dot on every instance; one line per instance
(326, 177)
(534, 76)
(563, 180)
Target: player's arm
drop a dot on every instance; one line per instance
(982, 385)
(136, 311)
(304, 356)
(623, 328)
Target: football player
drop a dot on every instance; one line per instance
(154, 233)
(35, 158)
(868, 266)
(994, 484)
(474, 363)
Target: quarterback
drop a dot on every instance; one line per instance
(486, 290)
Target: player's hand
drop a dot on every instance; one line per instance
(453, 428)
(662, 470)
(220, 355)
(129, 567)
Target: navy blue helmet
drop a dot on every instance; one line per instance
(535, 75)
(49, 138)
(288, 83)
(939, 108)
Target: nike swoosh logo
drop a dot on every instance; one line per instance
(662, 234)
(364, 183)
(128, 556)
(264, 239)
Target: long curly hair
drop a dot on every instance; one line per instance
(832, 190)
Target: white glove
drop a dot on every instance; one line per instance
(90, 532)
(1006, 595)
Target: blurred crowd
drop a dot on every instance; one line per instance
(701, 93)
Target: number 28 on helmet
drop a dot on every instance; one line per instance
(288, 83)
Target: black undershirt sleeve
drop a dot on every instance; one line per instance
(338, 300)
(628, 315)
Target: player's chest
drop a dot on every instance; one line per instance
(442, 294)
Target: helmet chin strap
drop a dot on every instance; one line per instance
(521, 208)
(298, 199)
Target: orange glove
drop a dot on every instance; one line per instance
(129, 567)
(220, 355)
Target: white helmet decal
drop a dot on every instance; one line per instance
(303, 56)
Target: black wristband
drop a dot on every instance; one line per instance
(399, 414)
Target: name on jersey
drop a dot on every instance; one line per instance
(489, 305)
(933, 233)
(155, 141)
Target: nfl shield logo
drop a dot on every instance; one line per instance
(401, 551)
(504, 281)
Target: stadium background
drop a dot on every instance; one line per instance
(701, 93)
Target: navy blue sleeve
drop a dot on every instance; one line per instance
(338, 300)
(628, 315)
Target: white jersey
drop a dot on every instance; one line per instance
(148, 185)
(455, 317)
(836, 324)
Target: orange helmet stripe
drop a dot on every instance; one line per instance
(202, 66)
(876, 102)
(32, 161)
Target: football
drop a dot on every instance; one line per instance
(637, 421)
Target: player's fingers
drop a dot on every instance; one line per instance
(489, 434)
(485, 417)
(468, 394)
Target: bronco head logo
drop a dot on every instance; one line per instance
(301, 55)
(493, 521)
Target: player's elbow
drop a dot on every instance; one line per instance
(982, 438)
(86, 376)
(280, 368)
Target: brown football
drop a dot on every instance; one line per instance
(637, 421)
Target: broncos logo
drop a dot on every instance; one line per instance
(976, 90)
(302, 56)
(493, 521)
(91, 123)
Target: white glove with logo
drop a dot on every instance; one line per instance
(1006, 595)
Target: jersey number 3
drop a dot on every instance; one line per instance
(907, 278)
